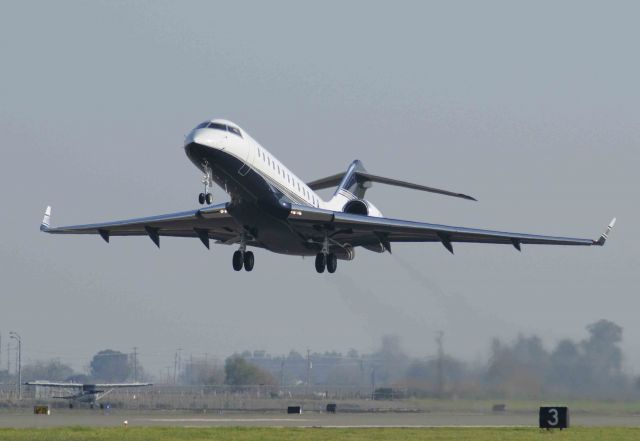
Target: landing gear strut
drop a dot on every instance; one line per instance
(242, 257)
(207, 180)
(325, 259)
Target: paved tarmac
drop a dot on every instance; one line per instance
(95, 418)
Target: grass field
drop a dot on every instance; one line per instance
(312, 434)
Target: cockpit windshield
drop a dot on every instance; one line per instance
(220, 126)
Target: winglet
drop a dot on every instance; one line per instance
(605, 235)
(46, 220)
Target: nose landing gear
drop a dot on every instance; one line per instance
(207, 180)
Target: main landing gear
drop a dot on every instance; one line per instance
(242, 257)
(207, 180)
(325, 259)
(328, 261)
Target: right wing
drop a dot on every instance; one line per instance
(361, 230)
(212, 222)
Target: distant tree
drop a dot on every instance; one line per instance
(110, 365)
(519, 368)
(567, 367)
(201, 371)
(239, 372)
(349, 373)
(390, 360)
(601, 349)
(52, 370)
(294, 356)
(427, 371)
(79, 378)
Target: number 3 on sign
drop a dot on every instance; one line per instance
(556, 417)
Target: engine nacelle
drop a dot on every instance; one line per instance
(361, 207)
(344, 253)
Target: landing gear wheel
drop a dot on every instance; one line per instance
(321, 262)
(249, 260)
(70, 405)
(332, 263)
(238, 260)
(201, 198)
(209, 198)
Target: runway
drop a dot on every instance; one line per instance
(96, 418)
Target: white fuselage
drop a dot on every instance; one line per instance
(247, 150)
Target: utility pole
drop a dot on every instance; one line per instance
(282, 373)
(8, 357)
(176, 365)
(308, 368)
(135, 364)
(16, 336)
(373, 383)
(439, 338)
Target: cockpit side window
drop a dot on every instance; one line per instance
(235, 130)
(202, 125)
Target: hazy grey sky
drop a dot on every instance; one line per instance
(533, 108)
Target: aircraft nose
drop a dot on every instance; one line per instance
(202, 137)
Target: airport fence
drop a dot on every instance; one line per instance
(215, 397)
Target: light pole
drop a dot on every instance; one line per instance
(16, 336)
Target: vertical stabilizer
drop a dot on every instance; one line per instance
(351, 187)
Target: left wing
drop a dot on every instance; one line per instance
(54, 384)
(118, 385)
(210, 222)
(359, 230)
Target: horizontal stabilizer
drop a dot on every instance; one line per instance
(361, 177)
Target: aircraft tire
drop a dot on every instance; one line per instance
(321, 262)
(332, 263)
(249, 260)
(238, 260)
(201, 198)
(209, 198)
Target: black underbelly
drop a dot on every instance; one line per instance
(260, 208)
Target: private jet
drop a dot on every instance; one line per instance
(270, 207)
(84, 393)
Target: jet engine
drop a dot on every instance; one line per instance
(361, 207)
(345, 252)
